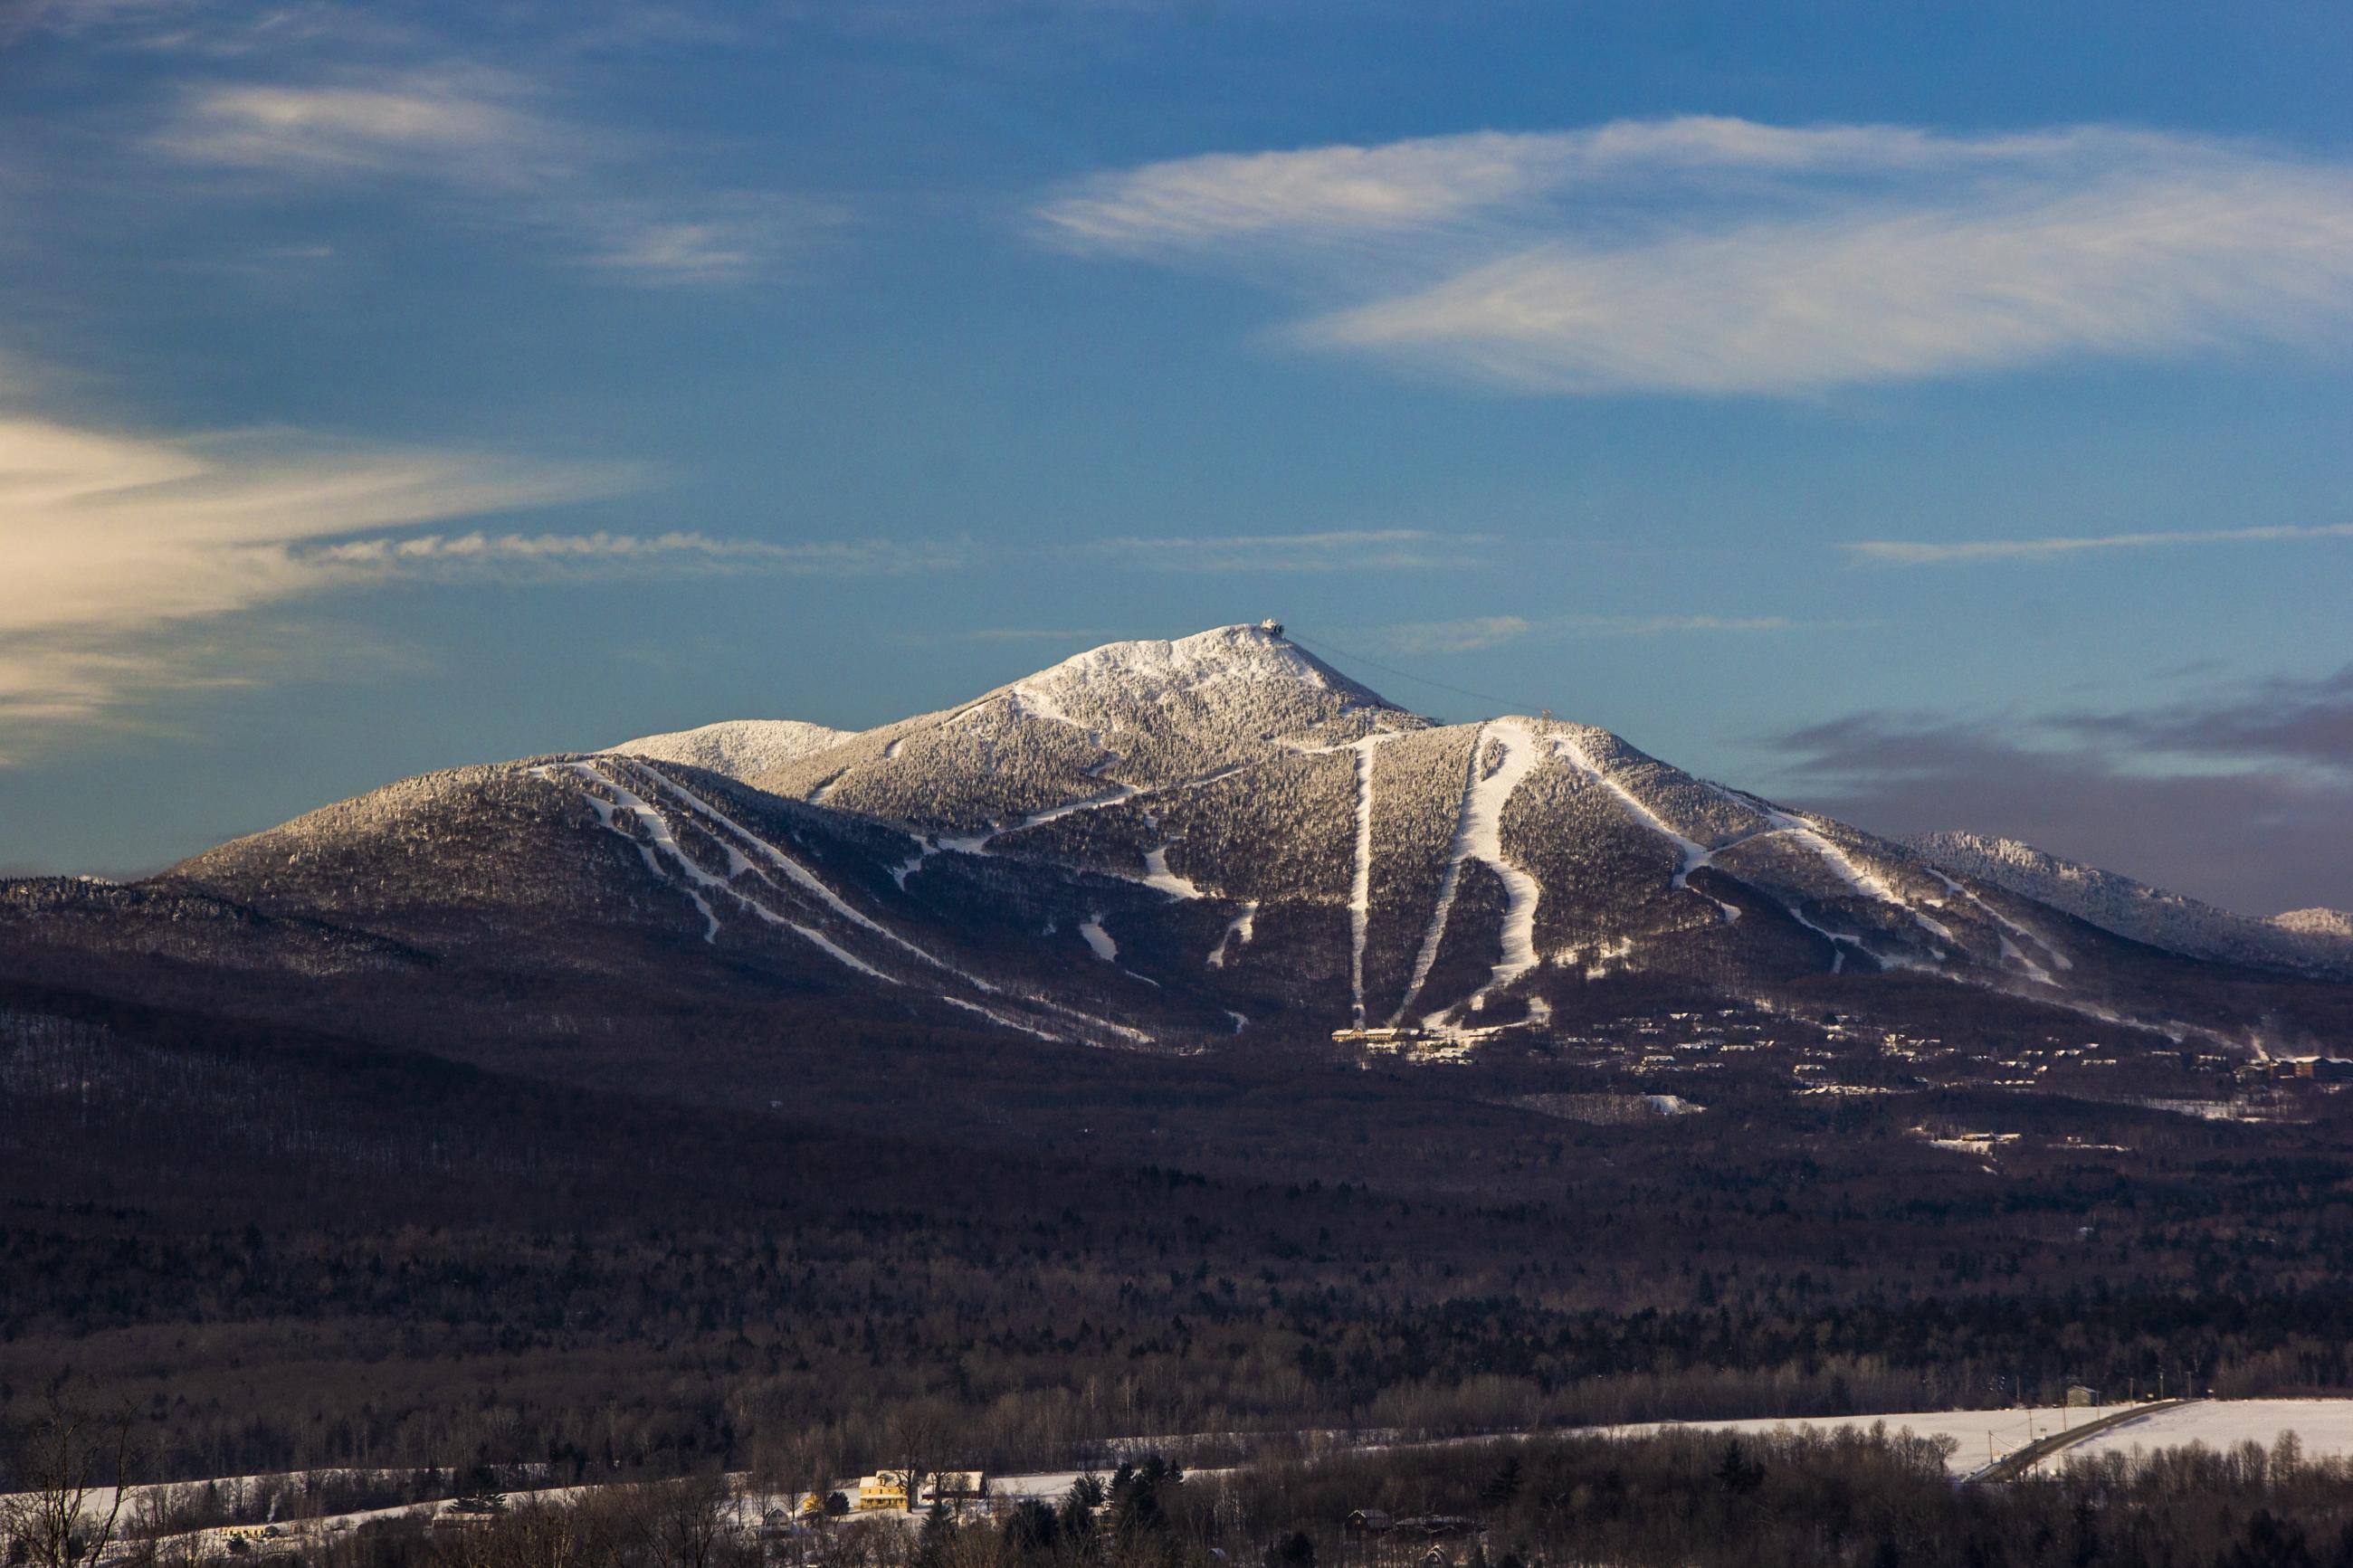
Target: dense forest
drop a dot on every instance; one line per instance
(286, 1250)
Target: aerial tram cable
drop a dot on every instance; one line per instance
(1328, 651)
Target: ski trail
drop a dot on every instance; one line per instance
(1243, 926)
(1360, 884)
(1026, 697)
(1479, 836)
(656, 830)
(1692, 855)
(2010, 928)
(995, 1016)
(1858, 876)
(924, 849)
(658, 834)
(984, 841)
(1838, 941)
(799, 875)
(1158, 877)
(1521, 891)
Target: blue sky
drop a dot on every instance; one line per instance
(1938, 416)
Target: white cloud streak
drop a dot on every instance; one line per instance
(491, 140)
(465, 127)
(1358, 550)
(1921, 552)
(1723, 256)
(1498, 631)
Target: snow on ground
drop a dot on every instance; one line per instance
(1100, 940)
(1157, 876)
(1238, 929)
(2325, 1427)
(1483, 833)
(1694, 854)
(1981, 1435)
(1360, 885)
(658, 835)
(740, 747)
(1866, 883)
(1479, 836)
(2010, 950)
(657, 829)
(802, 878)
(2136, 909)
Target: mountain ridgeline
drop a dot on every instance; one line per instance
(1176, 845)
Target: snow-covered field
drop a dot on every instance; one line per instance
(2324, 1427)
(1982, 1435)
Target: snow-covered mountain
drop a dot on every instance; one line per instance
(1165, 844)
(1126, 717)
(2318, 940)
(2316, 922)
(740, 747)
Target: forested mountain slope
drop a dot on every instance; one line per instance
(1215, 841)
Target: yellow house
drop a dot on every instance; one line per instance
(883, 1488)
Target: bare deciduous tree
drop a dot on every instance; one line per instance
(75, 1467)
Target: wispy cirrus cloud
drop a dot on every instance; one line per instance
(1342, 550)
(498, 145)
(1471, 634)
(626, 553)
(1719, 256)
(464, 126)
(1927, 553)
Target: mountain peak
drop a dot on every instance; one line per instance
(1255, 652)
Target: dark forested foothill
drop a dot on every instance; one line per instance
(287, 1250)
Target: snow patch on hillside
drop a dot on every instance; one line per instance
(1158, 877)
(1239, 932)
(1098, 939)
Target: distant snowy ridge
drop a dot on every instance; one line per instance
(2317, 922)
(739, 748)
(2320, 941)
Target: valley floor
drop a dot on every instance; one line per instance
(2322, 1430)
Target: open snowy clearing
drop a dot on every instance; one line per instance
(2324, 1427)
